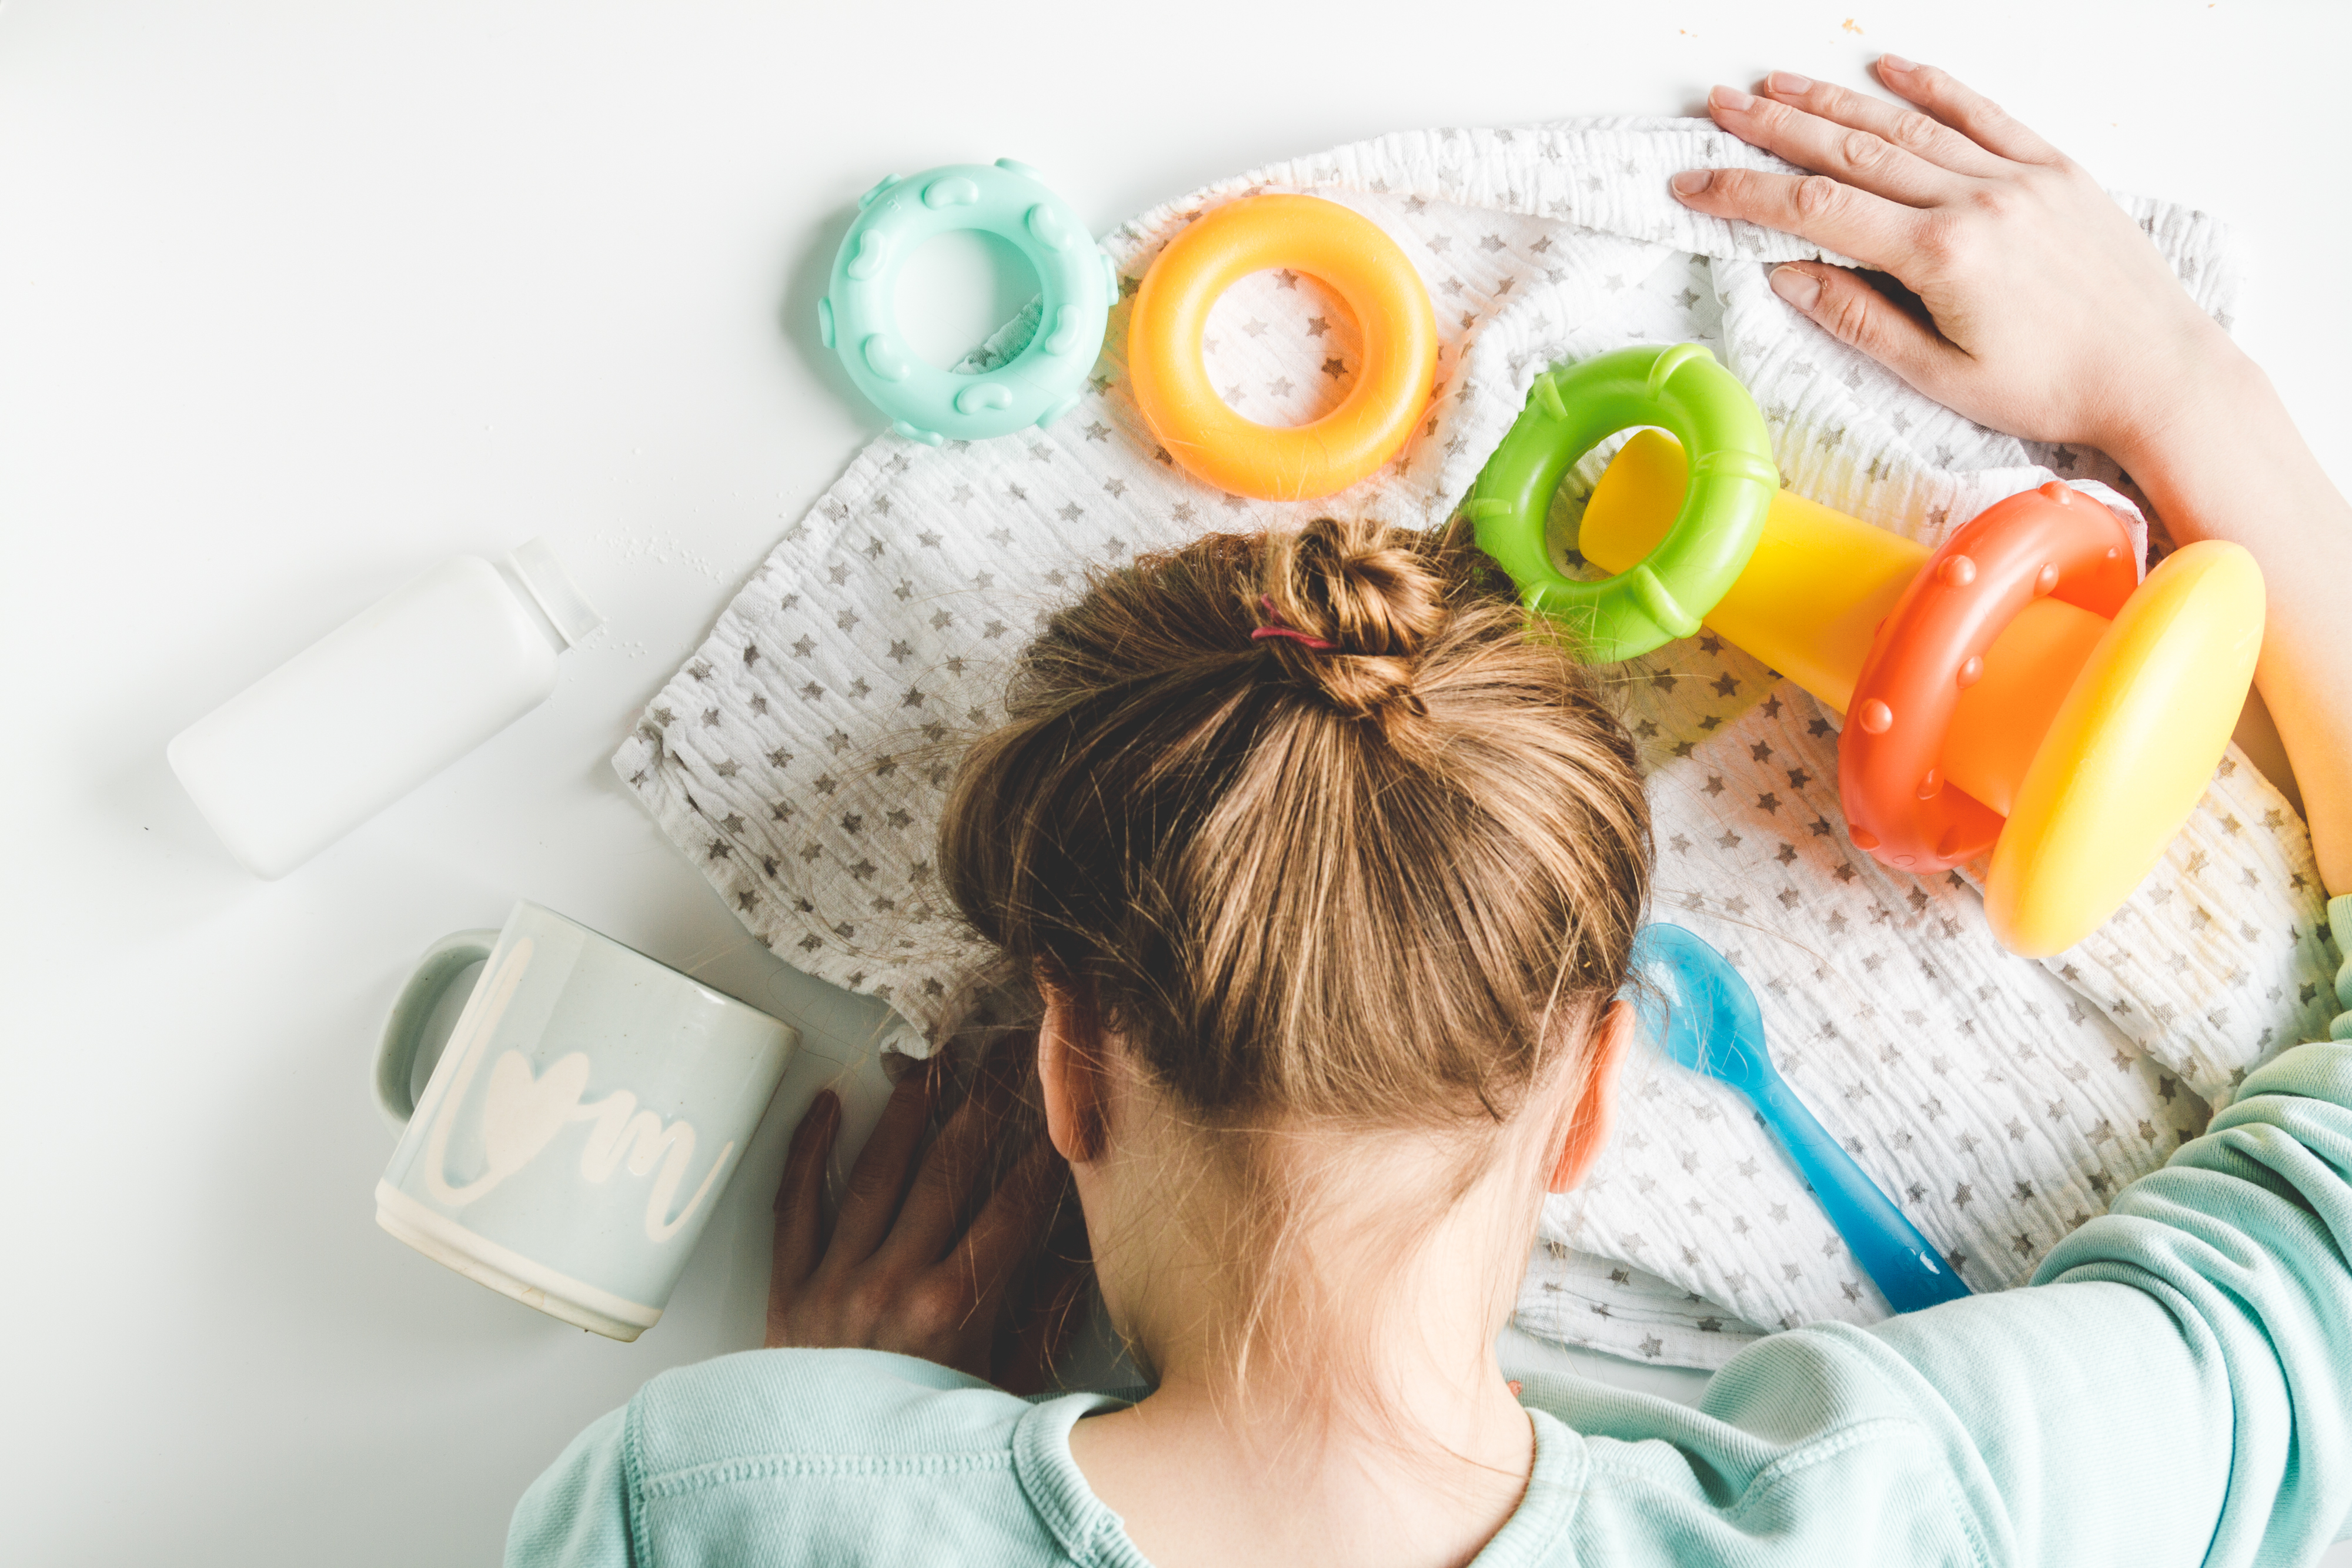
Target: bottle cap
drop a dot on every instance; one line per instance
(558, 597)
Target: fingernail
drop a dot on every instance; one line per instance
(1691, 182)
(1799, 288)
(1789, 81)
(1730, 98)
(1895, 63)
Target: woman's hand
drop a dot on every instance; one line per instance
(902, 1269)
(2049, 315)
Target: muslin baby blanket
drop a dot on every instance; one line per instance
(801, 757)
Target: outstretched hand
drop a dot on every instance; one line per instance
(923, 1258)
(2047, 312)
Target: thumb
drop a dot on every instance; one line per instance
(1848, 309)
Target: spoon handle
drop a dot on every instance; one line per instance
(1899, 1260)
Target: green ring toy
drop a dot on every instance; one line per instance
(858, 316)
(1574, 408)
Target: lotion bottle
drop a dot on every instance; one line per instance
(380, 703)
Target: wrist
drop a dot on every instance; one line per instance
(2205, 398)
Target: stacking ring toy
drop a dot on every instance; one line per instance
(1664, 593)
(1326, 241)
(1989, 699)
(858, 317)
(2045, 542)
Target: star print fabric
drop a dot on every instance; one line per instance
(800, 757)
(1995, 1100)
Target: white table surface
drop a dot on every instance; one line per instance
(296, 300)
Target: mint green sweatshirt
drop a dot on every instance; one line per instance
(2174, 1387)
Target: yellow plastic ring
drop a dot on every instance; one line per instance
(1326, 241)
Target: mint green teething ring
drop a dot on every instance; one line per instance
(858, 317)
(1732, 482)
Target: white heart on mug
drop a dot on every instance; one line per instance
(522, 1115)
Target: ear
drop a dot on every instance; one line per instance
(1596, 1111)
(1070, 1073)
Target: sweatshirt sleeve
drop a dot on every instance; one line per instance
(2177, 1387)
(577, 1514)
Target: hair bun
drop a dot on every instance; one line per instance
(1370, 591)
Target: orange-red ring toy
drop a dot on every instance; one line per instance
(1363, 266)
(2052, 541)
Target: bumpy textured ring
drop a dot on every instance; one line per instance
(858, 316)
(2049, 542)
(1572, 409)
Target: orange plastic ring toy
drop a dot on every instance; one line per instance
(1324, 240)
(2050, 541)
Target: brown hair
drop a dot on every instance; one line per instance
(1382, 884)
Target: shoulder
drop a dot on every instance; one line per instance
(819, 1409)
(788, 1456)
(1817, 1446)
(1788, 1390)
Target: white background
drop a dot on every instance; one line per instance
(297, 299)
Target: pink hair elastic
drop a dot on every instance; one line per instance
(1275, 628)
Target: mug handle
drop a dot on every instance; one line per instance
(396, 1051)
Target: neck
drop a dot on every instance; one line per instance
(1361, 1417)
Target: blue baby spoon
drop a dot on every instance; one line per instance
(1711, 1025)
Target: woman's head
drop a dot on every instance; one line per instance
(1384, 883)
(1327, 861)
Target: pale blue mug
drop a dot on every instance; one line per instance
(582, 1121)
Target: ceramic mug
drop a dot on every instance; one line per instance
(580, 1124)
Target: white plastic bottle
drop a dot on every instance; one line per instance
(379, 704)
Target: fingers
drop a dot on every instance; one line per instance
(948, 1311)
(800, 1197)
(1056, 1292)
(880, 1178)
(1010, 1223)
(1860, 157)
(799, 1214)
(1854, 114)
(1818, 207)
(942, 1187)
(1964, 109)
(1852, 311)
